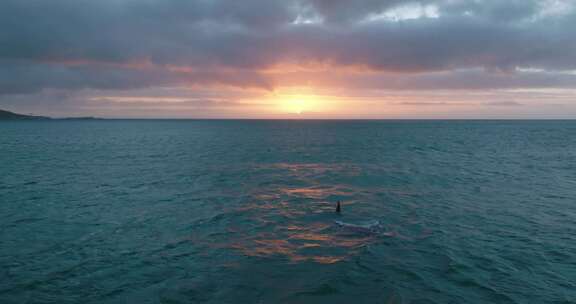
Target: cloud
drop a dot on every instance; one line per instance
(255, 34)
(456, 80)
(504, 104)
(427, 104)
(389, 44)
(343, 11)
(25, 77)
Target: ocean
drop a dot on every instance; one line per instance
(243, 211)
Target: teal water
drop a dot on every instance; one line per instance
(243, 211)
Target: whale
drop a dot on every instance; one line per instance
(374, 228)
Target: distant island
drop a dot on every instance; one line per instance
(7, 115)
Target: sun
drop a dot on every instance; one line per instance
(297, 104)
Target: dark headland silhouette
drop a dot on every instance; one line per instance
(7, 115)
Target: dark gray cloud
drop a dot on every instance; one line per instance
(230, 42)
(19, 78)
(458, 80)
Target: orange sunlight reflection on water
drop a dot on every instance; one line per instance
(292, 216)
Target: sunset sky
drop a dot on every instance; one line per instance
(289, 58)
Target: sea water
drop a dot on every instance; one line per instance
(233, 211)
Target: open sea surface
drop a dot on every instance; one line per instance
(232, 211)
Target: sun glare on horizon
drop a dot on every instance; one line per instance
(298, 104)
